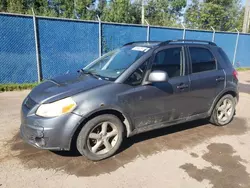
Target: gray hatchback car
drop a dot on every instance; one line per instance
(139, 87)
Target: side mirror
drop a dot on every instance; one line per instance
(158, 76)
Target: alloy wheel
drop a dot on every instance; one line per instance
(225, 110)
(102, 138)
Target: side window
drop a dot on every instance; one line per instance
(169, 60)
(136, 77)
(202, 59)
(225, 57)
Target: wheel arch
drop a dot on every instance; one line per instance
(124, 119)
(230, 91)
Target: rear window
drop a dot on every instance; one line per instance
(224, 57)
(202, 59)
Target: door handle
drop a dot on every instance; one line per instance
(182, 86)
(219, 79)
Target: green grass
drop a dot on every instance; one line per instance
(16, 87)
(243, 68)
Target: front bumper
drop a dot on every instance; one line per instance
(35, 137)
(48, 133)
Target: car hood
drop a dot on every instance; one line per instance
(64, 86)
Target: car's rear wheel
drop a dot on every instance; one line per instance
(223, 111)
(100, 137)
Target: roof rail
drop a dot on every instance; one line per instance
(140, 42)
(187, 40)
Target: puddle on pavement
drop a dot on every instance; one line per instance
(232, 171)
(142, 145)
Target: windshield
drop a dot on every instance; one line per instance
(114, 63)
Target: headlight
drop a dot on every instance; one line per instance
(56, 108)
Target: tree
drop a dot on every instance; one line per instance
(100, 8)
(157, 12)
(224, 15)
(77, 9)
(84, 9)
(119, 11)
(3, 5)
(192, 14)
(220, 14)
(240, 20)
(135, 11)
(164, 12)
(66, 9)
(16, 6)
(40, 7)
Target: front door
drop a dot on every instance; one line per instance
(161, 102)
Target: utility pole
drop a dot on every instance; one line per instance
(246, 22)
(75, 9)
(142, 12)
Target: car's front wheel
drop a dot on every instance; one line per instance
(223, 111)
(100, 137)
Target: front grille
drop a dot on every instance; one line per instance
(29, 103)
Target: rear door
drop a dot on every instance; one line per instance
(207, 79)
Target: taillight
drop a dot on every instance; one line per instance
(235, 74)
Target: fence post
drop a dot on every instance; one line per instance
(236, 45)
(184, 31)
(213, 33)
(100, 36)
(148, 30)
(38, 59)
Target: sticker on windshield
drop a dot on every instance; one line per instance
(139, 48)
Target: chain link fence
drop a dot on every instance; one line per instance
(65, 45)
(17, 50)
(116, 35)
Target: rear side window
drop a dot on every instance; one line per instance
(225, 57)
(202, 60)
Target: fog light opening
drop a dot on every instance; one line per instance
(40, 141)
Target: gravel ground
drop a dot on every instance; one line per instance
(195, 154)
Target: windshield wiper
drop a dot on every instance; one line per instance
(90, 73)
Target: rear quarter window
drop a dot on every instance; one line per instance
(225, 58)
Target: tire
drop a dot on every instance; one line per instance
(93, 140)
(217, 113)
